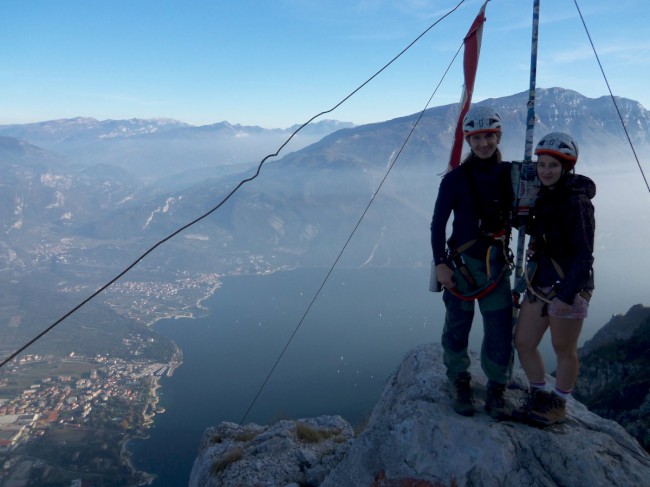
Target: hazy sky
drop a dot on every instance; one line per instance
(275, 63)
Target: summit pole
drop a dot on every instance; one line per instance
(530, 118)
(526, 180)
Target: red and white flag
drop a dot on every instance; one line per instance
(472, 43)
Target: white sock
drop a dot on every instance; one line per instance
(538, 385)
(563, 394)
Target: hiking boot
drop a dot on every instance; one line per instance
(463, 399)
(495, 403)
(547, 409)
(526, 403)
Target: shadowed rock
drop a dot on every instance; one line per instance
(414, 438)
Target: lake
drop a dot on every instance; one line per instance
(336, 361)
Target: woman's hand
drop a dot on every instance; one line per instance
(561, 307)
(445, 276)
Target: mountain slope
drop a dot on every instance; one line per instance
(614, 379)
(85, 221)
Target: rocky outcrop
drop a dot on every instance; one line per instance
(298, 452)
(614, 379)
(618, 330)
(413, 438)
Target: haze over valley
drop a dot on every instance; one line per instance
(83, 199)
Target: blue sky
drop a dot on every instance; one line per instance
(275, 63)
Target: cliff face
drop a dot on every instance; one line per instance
(414, 438)
(614, 379)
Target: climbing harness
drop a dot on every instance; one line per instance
(498, 260)
(547, 297)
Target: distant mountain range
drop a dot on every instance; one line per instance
(76, 176)
(157, 148)
(82, 191)
(151, 149)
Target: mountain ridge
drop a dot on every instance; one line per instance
(614, 380)
(298, 212)
(69, 224)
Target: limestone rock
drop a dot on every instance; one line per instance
(288, 453)
(415, 439)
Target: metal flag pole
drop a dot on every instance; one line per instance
(524, 175)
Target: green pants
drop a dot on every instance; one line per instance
(496, 309)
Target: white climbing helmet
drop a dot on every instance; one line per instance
(481, 119)
(559, 145)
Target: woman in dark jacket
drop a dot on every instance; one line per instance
(479, 195)
(559, 275)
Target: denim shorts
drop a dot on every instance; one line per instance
(578, 309)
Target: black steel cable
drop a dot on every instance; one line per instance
(338, 257)
(223, 201)
(611, 94)
(347, 242)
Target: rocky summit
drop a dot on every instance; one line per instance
(414, 438)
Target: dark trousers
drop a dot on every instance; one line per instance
(496, 310)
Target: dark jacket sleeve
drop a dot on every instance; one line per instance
(577, 273)
(441, 214)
